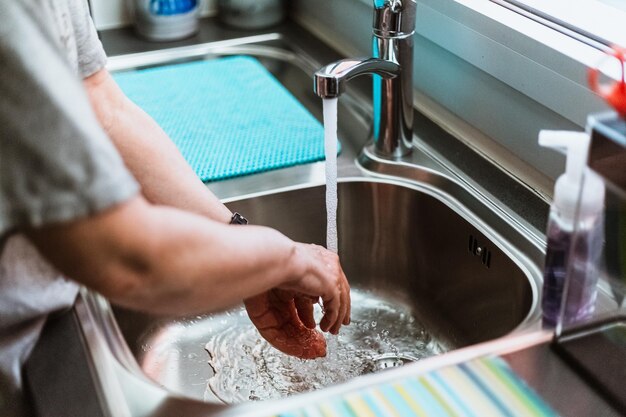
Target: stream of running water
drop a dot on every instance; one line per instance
(330, 149)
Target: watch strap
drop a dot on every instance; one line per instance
(238, 219)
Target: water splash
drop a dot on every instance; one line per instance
(248, 368)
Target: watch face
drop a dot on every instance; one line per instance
(238, 219)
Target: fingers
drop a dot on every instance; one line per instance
(344, 307)
(323, 278)
(331, 312)
(331, 299)
(343, 310)
(304, 307)
(348, 318)
(338, 304)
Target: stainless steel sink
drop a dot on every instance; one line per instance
(412, 232)
(402, 243)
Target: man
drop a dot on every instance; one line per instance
(93, 190)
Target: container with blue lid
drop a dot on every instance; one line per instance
(166, 20)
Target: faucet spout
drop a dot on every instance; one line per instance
(392, 90)
(330, 80)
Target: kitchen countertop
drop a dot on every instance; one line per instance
(537, 363)
(557, 383)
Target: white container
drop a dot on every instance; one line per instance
(165, 20)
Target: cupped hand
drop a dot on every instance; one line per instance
(286, 322)
(284, 316)
(323, 277)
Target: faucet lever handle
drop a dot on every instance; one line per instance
(395, 5)
(394, 18)
(379, 4)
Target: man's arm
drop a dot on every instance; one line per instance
(164, 260)
(165, 177)
(168, 180)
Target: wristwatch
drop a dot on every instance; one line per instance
(238, 219)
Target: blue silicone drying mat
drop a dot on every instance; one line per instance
(228, 116)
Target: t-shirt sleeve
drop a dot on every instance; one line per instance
(56, 163)
(91, 55)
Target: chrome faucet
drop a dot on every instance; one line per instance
(391, 65)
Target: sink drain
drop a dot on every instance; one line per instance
(391, 360)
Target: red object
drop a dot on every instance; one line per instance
(275, 313)
(614, 94)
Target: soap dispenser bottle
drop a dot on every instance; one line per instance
(574, 233)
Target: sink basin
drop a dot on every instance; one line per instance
(400, 243)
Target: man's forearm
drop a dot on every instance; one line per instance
(165, 177)
(165, 260)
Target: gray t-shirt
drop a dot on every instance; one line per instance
(56, 164)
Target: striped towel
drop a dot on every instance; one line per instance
(484, 387)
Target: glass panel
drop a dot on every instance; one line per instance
(595, 287)
(591, 335)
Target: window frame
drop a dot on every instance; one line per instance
(539, 62)
(591, 21)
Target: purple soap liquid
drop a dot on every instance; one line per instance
(581, 288)
(555, 272)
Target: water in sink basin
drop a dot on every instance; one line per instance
(248, 368)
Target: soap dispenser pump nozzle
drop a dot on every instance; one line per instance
(575, 145)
